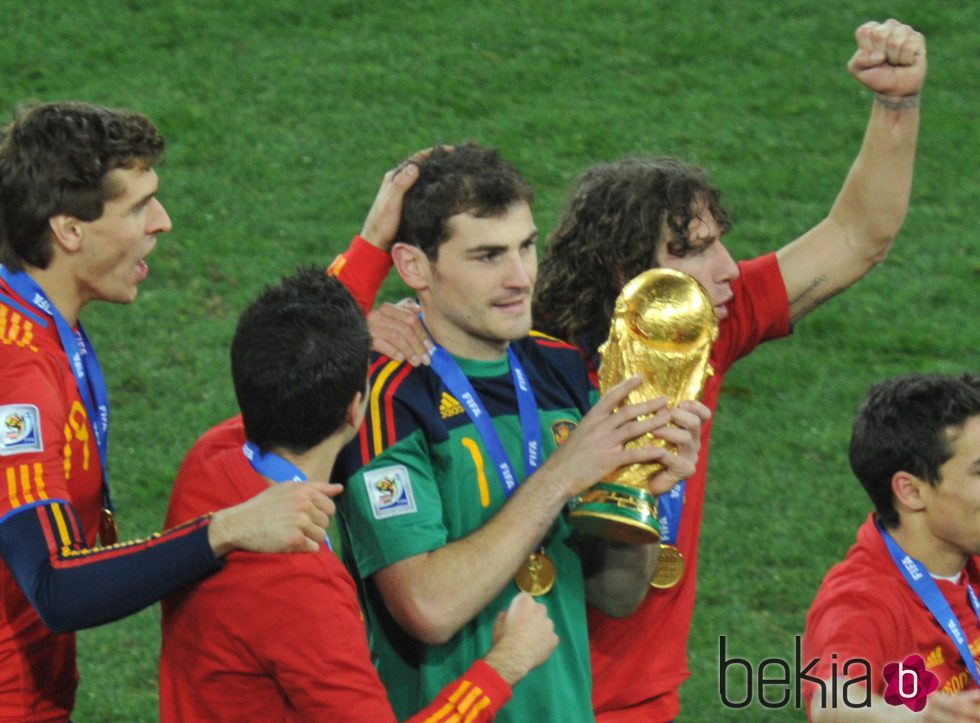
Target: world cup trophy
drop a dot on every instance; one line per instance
(663, 328)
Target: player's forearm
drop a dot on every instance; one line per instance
(874, 199)
(458, 701)
(434, 594)
(361, 269)
(75, 587)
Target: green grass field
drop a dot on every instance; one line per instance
(281, 117)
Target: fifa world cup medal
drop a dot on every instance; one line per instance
(108, 532)
(670, 568)
(537, 577)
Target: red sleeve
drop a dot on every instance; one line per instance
(477, 696)
(361, 268)
(36, 457)
(844, 625)
(50, 482)
(758, 312)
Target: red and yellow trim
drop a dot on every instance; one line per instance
(551, 342)
(378, 431)
(465, 704)
(25, 484)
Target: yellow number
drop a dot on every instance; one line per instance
(481, 475)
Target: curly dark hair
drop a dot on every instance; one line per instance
(909, 424)
(609, 233)
(54, 159)
(467, 178)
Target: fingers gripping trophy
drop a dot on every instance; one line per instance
(663, 328)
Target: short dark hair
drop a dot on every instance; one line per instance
(54, 158)
(467, 178)
(299, 355)
(609, 233)
(909, 424)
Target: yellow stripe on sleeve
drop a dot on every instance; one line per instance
(481, 704)
(62, 530)
(463, 687)
(12, 487)
(337, 265)
(440, 714)
(376, 389)
(470, 697)
(25, 483)
(42, 493)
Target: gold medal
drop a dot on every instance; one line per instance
(108, 532)
(670, 568)
(537, 577)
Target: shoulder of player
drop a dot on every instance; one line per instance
(540, 340)
(217, 449)
(33, 369)
(25, 331)
(391, 379)
(862, 586)
(551, 351)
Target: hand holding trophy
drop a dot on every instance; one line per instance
(663, 328)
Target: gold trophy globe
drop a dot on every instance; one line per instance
(663, 328)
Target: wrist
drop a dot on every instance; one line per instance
(504, 665)
(898, 102)
(219, 534)
(372, 239)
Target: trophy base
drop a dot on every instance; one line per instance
(617, 512)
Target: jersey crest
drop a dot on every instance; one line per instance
(390, 491)
(561, 429)
(20, 429)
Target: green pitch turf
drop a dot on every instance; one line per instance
(281, 117)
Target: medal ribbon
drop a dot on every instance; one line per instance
(671, 506)
(448, 370)
(925, 587)
(83, 362)
(276, 468)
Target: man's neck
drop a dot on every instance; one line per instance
(316, 462)
(466, 346)
(939, 557)
(60, 290)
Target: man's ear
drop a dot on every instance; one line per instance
(66, 232)
(413, 265)
(354, 416)
(909, 491)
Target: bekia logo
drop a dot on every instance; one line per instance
(909, 683)
(778, 683)
(840, 684)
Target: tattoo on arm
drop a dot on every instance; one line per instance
(811, 297)
(901, 103)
